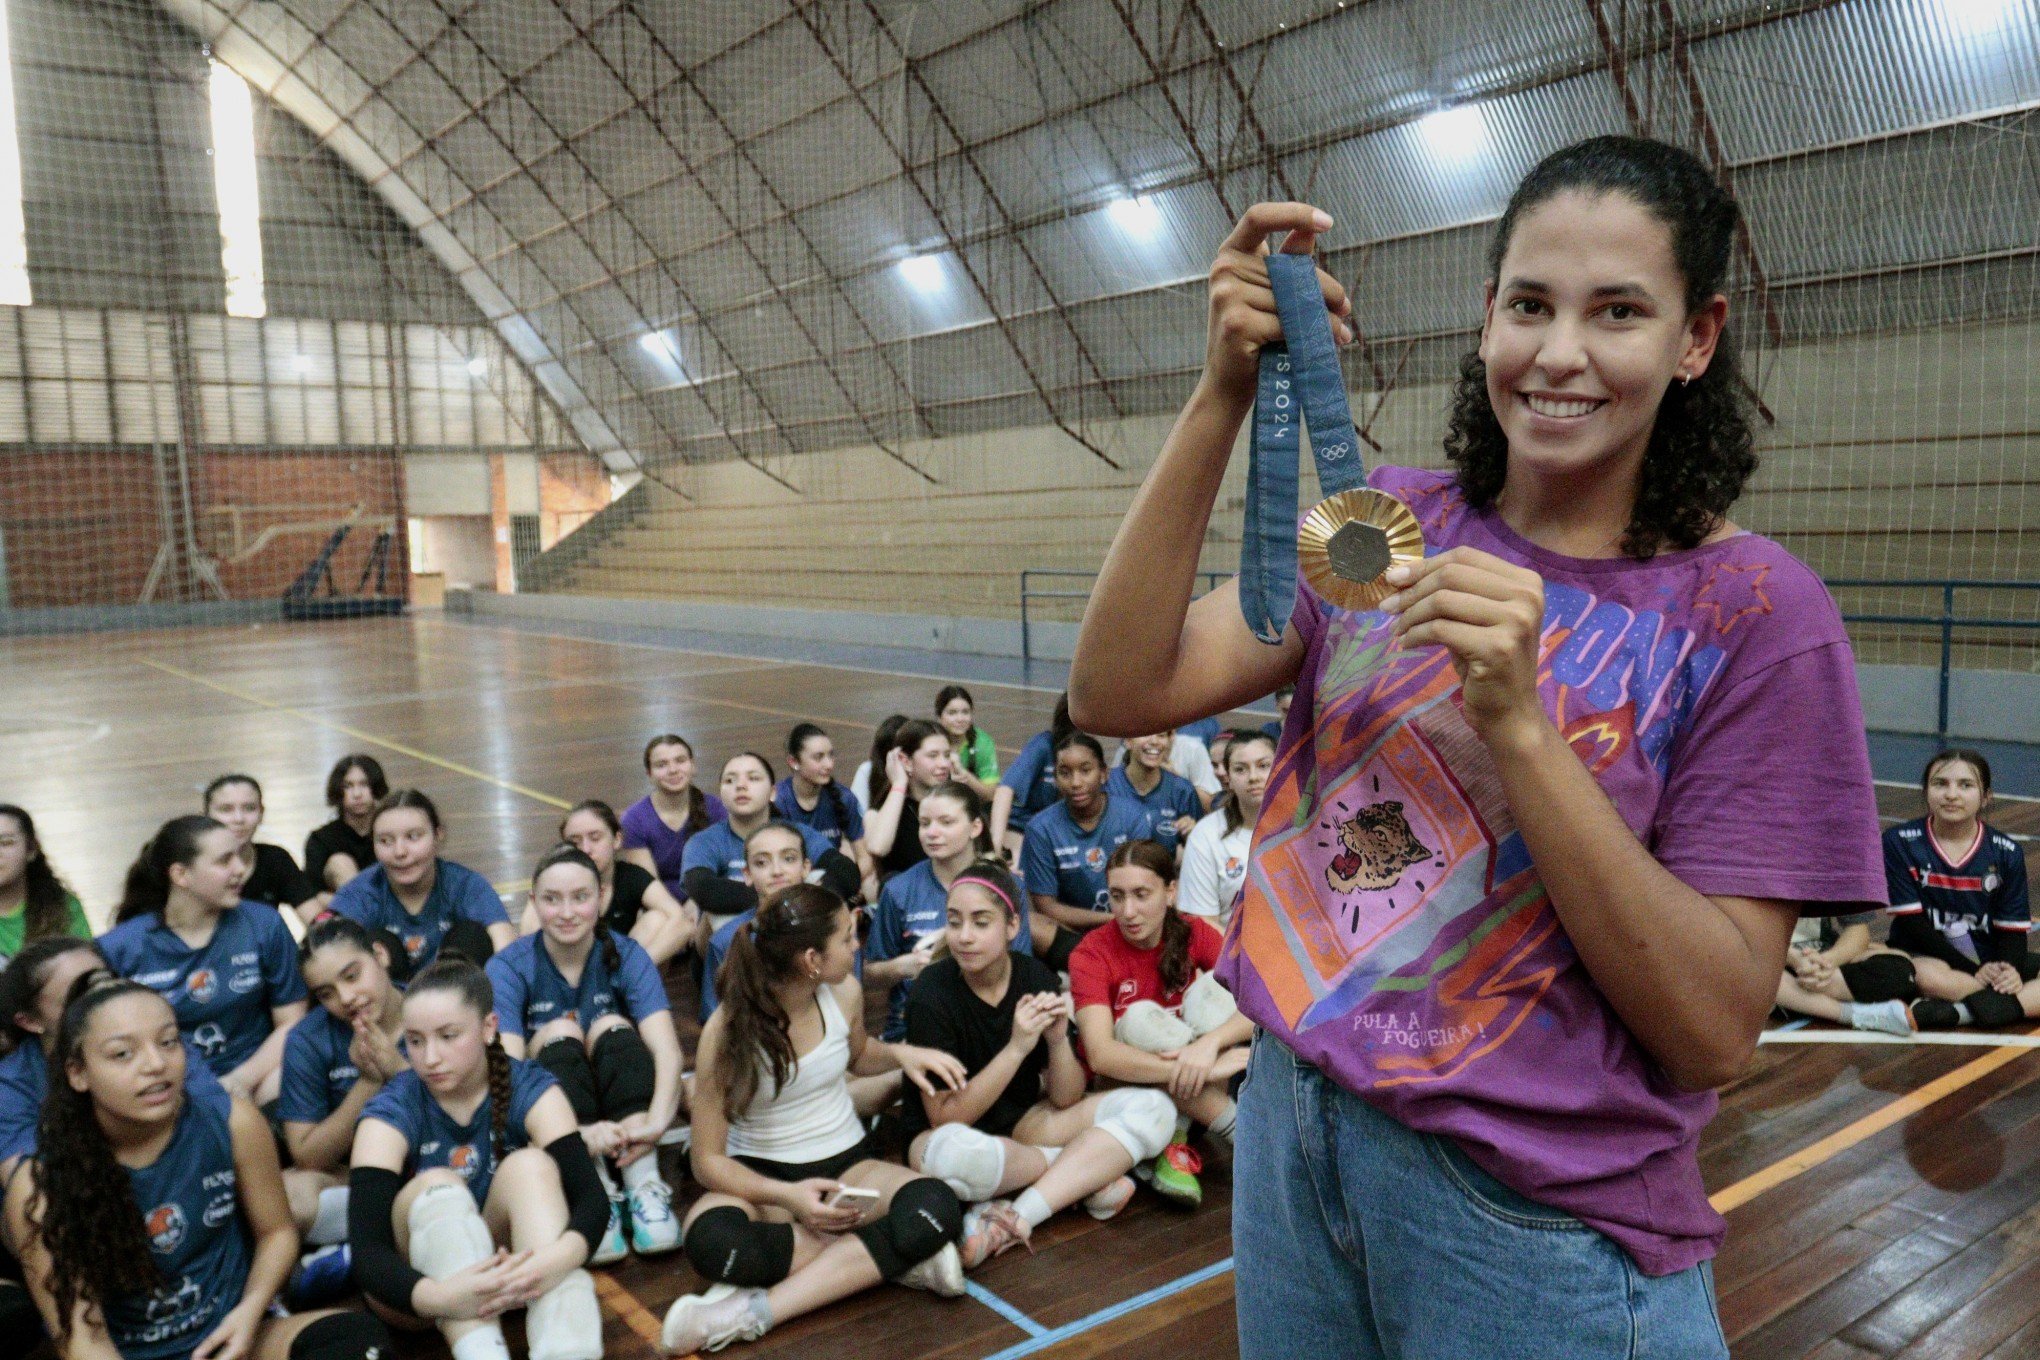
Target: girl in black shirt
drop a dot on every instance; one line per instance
(1022, 1127)
(274, 879)
(341, 848)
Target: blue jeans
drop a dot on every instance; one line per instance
(1355, 1236)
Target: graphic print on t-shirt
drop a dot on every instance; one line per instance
(1384, 873)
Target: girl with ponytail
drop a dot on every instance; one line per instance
(919, 759)
(153, 1222)
(777, 1140)
(467, 1149)
(34, 903)
(227, 967)
(810, 796)
(586, 1004)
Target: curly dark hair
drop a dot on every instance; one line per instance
(84, 1209)
(1701, 449)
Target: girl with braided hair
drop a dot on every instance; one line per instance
(468, 1149)
(152, 1223)
(587, 1005)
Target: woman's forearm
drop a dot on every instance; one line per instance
(882, 823)
(261, 1062)
(1691, 983)
(324, 1146)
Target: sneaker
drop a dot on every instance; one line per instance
(1103, 1204)
(612, 1248)
(941, 1274)
(1883, 1017)
(653, 1226)
(710, 1320)
(1174, 1175)
(321, 1278)
(991, 1229)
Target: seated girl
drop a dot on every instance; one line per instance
(809, 796)
(1215, 856)
(467, 1150)
(586, 1003)
(906, 926)
(1021, 1133)
(1063, 862)
(272, 876)
(422, 900)
(634, 901)
(152, 1222)
(789, 1222)
(974, 759)
(919, 759)
(227, 967)
(714, 864)
(1187, 1040)
(34, 903)
(1145, 778)
(337, 851)
(657, 827)
(1028, 786)
(1834, 972)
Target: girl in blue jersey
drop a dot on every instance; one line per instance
(153, 1222)
(1147, 779)
(586, 1003)
(634, 901)
(1067, 846)
(468, 1149)
(776, 1136)
(1959, 905)
(714, 863)
(907, 924)
(227, 967)
(423, 901)
(810, 796)
(33, 988)
(1028, 786)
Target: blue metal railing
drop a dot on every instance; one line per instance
(1947, 621)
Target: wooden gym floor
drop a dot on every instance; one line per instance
(1883, 1199)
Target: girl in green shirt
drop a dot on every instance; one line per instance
(34, 903)
(977, 760)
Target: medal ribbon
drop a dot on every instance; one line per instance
(1299, 377)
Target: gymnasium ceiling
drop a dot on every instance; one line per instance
(689, 217)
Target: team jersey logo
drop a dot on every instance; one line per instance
(202, 985)
(172, 1302)
(245, 982)
(414, 945)
(463, 1160)
(165, 1226)
(209, 1039)
(1094, 858)
(219, 1211)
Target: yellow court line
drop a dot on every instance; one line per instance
(355, 732)
(629, 1311)
(1841, 1140)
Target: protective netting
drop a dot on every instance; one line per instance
(890, 301)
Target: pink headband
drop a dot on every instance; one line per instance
(990, 887)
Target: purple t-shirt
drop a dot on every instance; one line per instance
(644, 829)
(1393, 930)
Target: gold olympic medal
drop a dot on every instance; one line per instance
(1350, 540)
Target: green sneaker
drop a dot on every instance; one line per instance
(1174, 1175)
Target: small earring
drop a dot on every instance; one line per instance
(1685, 379)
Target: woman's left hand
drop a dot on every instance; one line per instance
(1999, 977)
(233, 1339)
(926, 1067)
(640, 1137)
(1489, 614)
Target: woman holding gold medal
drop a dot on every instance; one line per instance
(1565, 775)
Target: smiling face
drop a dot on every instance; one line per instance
(1152, 751)
(746, 787)
(775, 858)
(977, 926)
(446, 1041)
(568, 899)
(671, 767)
(931, 762)
(1586, 327)
(1955, 793)
(406, 844)
(956, 717)
(131, 1059)
(816, 760)
(349, 981)
(588, 833)
(215, 874)
(237, 807)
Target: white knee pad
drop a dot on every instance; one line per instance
(1151, 1029)
(1207, 1005)
(329, 1224)
(1140, 1117)
(447, 1231)
(565, 1322)
(969, 1162)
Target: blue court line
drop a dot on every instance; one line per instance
(1004, 1309)
(1043, 1340)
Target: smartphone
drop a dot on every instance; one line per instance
(851, 1196)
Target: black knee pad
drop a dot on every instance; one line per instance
(729, 1246)
(471, 938)
(924, 1218)
(343, 1336)
(624, 1073)
(567, 1060)
(1881, 977)
(1991, 1009)
(2029, 967)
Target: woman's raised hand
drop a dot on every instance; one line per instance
(1242, 302)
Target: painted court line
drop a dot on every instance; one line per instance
(357, 733)
(1004, 1309)
(1118, 1310)
(628, 1310)
(1955, 1038)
